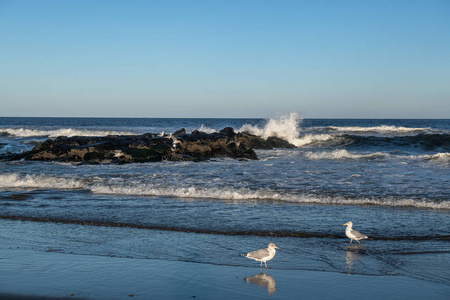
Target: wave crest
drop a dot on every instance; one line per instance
(15, 180)
(111, 187)
(381, 129)
(24, 132)
(344, 154)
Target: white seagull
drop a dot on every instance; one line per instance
(263, 255)
(353, 234)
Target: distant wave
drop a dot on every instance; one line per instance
(103, 186)
(381, 129)
(425, 141)
(344, 154)
(428, 142)
(24, 132)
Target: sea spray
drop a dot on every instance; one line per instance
(206, 129)
(286, 127)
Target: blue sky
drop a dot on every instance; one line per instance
(321, 59)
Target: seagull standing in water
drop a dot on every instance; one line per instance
(353, 234)
(263, 255)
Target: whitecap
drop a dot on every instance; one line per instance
(343, 154)
(69, 132)
(380, 129)
(120, 186)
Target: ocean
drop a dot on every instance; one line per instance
(391, 178)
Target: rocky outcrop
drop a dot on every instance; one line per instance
(177, 146)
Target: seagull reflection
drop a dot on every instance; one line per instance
(353, 254)
(264, 280)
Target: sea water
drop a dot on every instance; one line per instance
(391, 178)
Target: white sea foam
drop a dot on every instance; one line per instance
(380, 129)
(24, 132)
(123, 187)
(438, 157)
(230, 193)
(441, 156)
(15, 180)
(343, 154)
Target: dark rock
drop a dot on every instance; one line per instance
(148, 147)
(277, 142)
(179, 132)
(228, 131)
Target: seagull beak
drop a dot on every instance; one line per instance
(277, 247)
(345, 224)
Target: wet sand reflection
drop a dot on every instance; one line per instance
(263, 280)
(353, 254)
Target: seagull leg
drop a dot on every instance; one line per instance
(261, 265)
(358, 242)
(266, 265)
(351, 241)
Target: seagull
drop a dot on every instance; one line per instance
(353, 234)
(263, 255)
(175, 141)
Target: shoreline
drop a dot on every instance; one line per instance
(27, 274)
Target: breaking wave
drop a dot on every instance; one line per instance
(380, 129)
(286, 127)
(344, 154)
(438, 157)
(24, 132)
(15, 180)
(103, 186)
(443, 158)
(203, 128)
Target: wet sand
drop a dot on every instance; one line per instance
(27, 274)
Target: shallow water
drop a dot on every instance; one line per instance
(390, 177)
(87, 277)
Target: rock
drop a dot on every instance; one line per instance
(179, 132)
(228, 131)
(196, 146)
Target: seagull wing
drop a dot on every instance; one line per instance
(358, 234)
(258, 254)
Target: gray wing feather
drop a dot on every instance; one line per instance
(358, 234)
(261, 253)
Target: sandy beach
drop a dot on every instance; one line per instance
(27, 274)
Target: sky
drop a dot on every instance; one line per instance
(225, 59)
